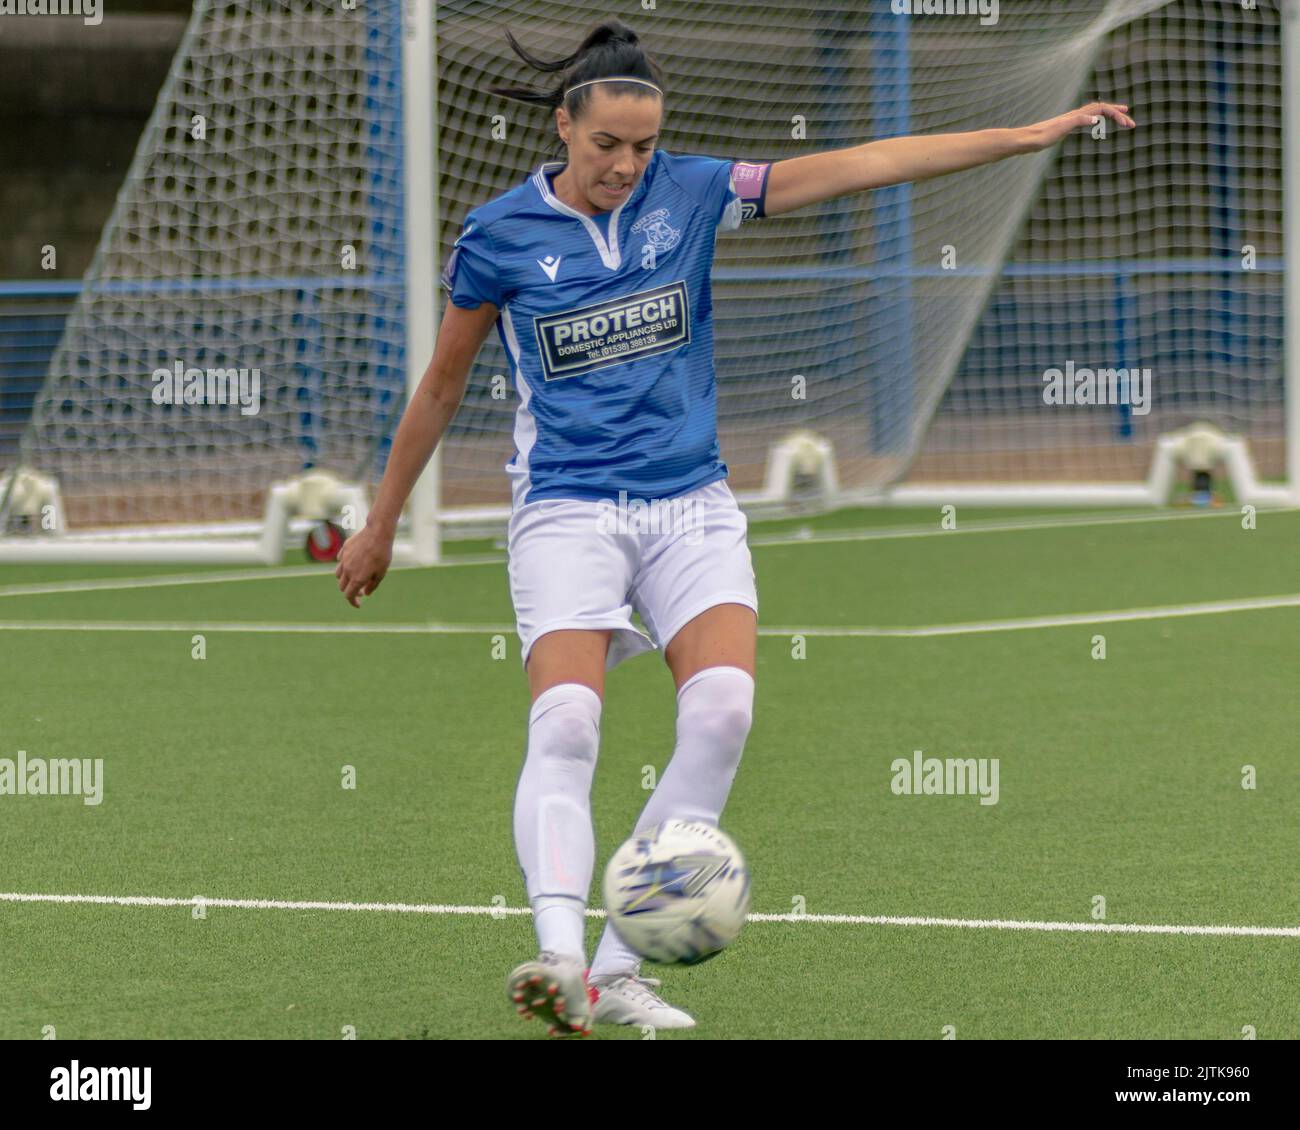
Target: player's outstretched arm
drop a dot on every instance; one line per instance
(821, 176)
(367, 555)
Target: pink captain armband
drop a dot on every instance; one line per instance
(750, 179)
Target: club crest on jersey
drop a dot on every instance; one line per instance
(658, 233)
(609, 333)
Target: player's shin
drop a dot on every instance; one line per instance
(715, 709)
(554, 841)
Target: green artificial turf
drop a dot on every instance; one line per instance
(1118, 777)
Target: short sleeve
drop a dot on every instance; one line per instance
(733, 192)
(706, 179)
(470, 273)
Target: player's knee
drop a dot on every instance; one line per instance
(724, 721)
(571, 736)
(567, 733)
(727, 727)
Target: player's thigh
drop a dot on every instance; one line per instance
(725, 635)
(568, 656)
(570, 578)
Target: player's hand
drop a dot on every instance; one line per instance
(363, 563)
(1048, 133)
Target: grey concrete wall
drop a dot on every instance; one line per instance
(74, 100)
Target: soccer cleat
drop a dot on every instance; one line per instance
(553, 988)
(626, 998)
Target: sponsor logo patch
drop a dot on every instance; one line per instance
(609, 333)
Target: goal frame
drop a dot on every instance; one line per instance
(427, 522)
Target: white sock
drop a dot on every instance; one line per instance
(554, 840)
(715, 708)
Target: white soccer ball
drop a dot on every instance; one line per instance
(678, 892)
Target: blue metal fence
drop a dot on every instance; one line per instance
(1165, 314)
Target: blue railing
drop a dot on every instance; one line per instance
(1121, 313)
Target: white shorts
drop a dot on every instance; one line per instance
(576, 564)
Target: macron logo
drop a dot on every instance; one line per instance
(551, 265)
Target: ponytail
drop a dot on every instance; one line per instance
(610, 48)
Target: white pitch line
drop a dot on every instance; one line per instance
(757, 541)
(831, 919)
(1208, 608)
(271, 904)
(1049, 927)
(809, 536)
(256, 628)
(292, 572)
(110, 584)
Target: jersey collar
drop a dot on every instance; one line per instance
(609, 251)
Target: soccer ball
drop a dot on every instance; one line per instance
(678, 892)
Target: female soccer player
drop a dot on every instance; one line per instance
(595, 272)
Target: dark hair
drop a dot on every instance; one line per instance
(610, 48)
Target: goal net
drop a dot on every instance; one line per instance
(263, 226)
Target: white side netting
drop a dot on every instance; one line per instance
(1133, 256)
(226, 252)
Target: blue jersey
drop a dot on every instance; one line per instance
(607, 321)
